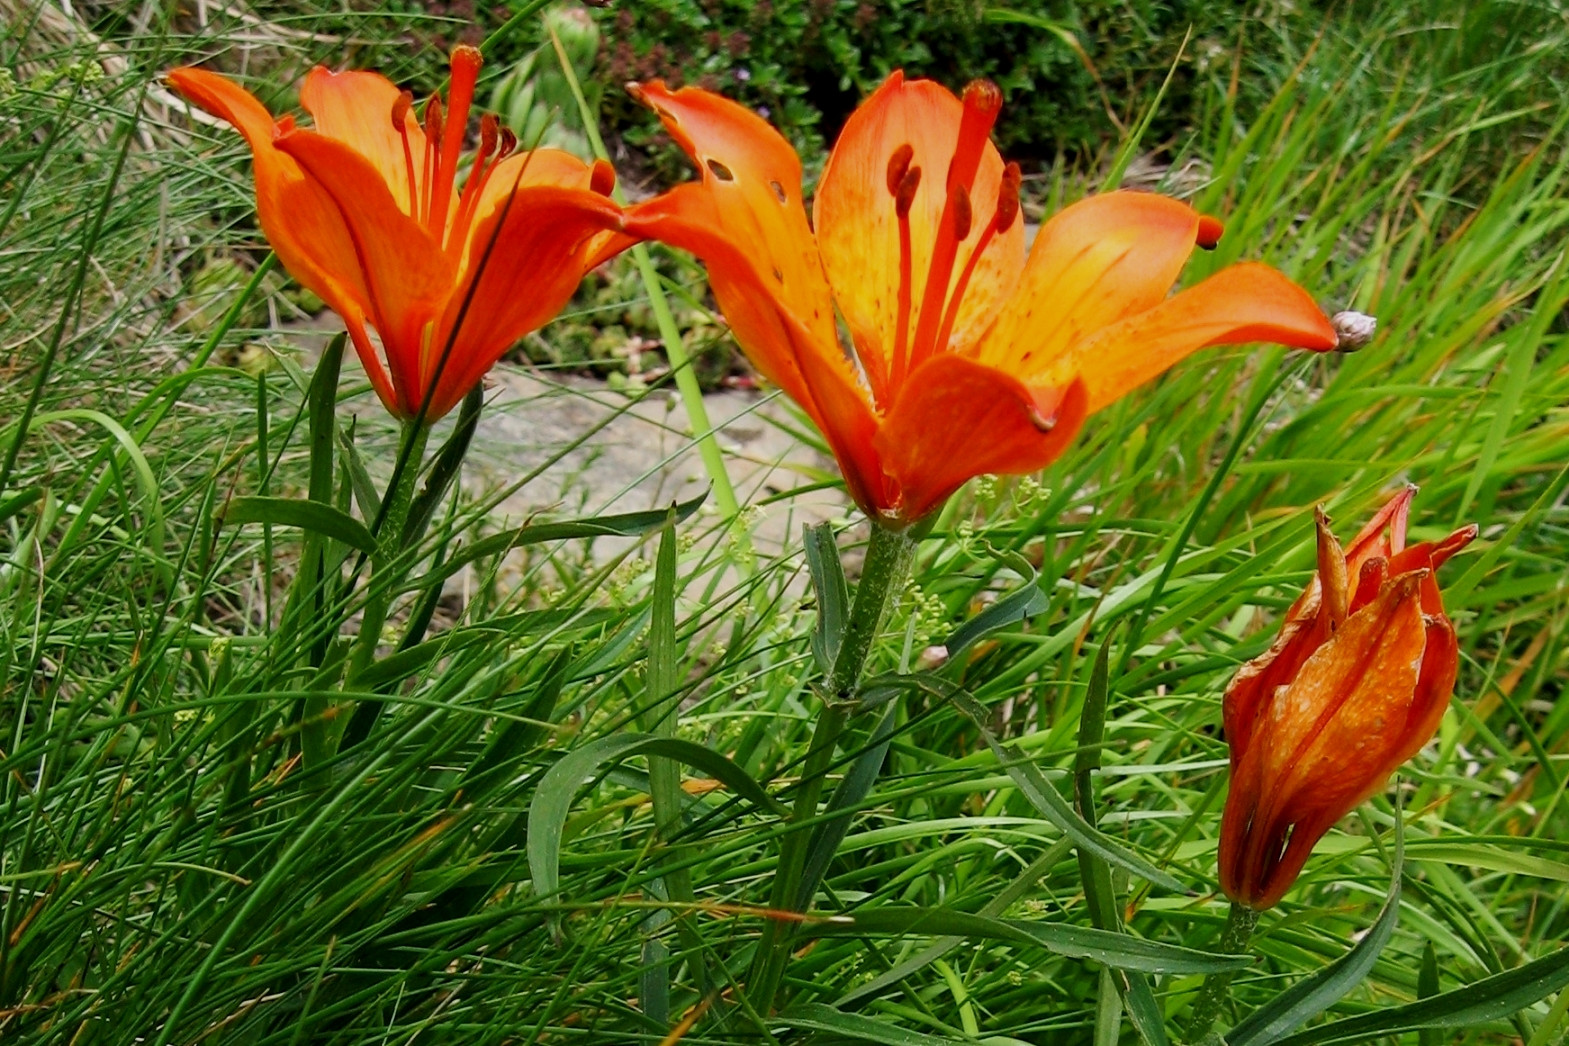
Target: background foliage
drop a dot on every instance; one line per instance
(170, 871)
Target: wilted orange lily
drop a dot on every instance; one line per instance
(967, 359)
(1354, 685)
(364, 210)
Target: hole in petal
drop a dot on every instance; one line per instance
(720, 171)
(778, 189)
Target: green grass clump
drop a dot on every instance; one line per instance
(175, 867)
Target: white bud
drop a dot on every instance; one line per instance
(1353, 329)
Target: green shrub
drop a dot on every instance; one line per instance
(1070, 70)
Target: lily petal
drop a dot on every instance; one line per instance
(1330, 740)
(780, 345)
(355, 107)
(956, 419)
(1101, 260)
(407, 276)
(297, 215)
(1242, 303)
(857, 228)
(754, 180)
(538, 246)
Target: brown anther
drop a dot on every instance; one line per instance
(1007, 198)
(904, 198)
(433, 118)
(489, 135)
(963, 213)
(602, 178)
(983, 95)
(509, 142)
(898, 164)
(400, 112)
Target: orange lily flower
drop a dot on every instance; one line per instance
(364, 210)
(1354, 685)
(967, 358)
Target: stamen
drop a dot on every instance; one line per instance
(898, 167)
(963, 213)
(509, 142)
(1007, 198)
(1002, 218)
(903, 200)
(400, 123)
(479, 174)
(982, 100)
(602, 179)
(432, 154)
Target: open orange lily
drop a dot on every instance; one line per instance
(364, 210)
(967, 358)
(1355, 684)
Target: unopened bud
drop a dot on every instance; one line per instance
(1353, 330)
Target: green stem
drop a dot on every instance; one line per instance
(888, 560)
(1217, 986)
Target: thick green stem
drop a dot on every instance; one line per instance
(887, 565)
(389, 544)
(1217, 986)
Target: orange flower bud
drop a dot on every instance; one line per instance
(1354, 685)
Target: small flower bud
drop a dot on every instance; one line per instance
(1353, 329)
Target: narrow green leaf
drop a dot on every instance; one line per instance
(1489, 999)
(833, 594)
(17, 502)
(629, 524)
(1099, 894)
(1313, 995)
(444, 469)
(1081, 942)
(1033, 784)
(1017, 605)
(311, 516)
(547, 816)
(1426, 987)
(815, 1016)
(855, 786)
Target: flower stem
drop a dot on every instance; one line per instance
(888, 560)
(389, 544)
(1217, 986)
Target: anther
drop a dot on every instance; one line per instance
(433, 118)
(904, 195)
(400, 112)
(899, 166)
(963, 213)
(509, 142)
(602, 178)
(489, 135)
(1007, 198)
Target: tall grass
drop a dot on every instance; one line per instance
(171, 872)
